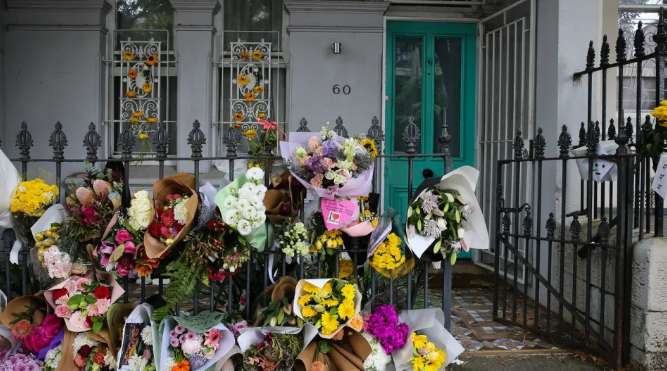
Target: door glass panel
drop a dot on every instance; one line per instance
(447, 92)
(408, 87)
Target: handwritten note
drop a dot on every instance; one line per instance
(659, 184)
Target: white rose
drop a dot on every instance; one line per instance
(257, 201)
(249, 213)
(246, 191)
(261, 218)
(141, 221)
(461, 232)
(231, 217)
(442, 224)
(255, 173)
(230, 202)
(260, 190)
(330, 175)
(181, 213)
(244, 227)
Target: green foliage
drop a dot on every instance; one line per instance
(183, 280)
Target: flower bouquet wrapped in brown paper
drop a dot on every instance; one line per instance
(280, 310)
(346, 354)
(284, 198)
(87, 351)
(176, 205)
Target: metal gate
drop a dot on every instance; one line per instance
(506, 90)
(578, 253)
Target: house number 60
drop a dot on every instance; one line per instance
(346, 89)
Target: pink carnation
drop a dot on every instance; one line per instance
(21, 329)
(63, 311)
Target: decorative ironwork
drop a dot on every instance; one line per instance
(630, 130)
(92, 142)
(24, 142)
(58, 141)
(639, 41)
(593, 139)
(540, 144)
(507, 223)
(126, 141)
(375, 132)
(622, 138)
(196, 140)
(161, 140)
(564, 142)
(604, 52)
(611, 130)
(303, 126)
(582, 135)
(411, 136)
(250, 77)
(575, 228)
(140, 69)
(620, 47)
(551, 227)
(444, 139)
(339, 128)
(518, 145)
(232, 139)
(527, 223)
(590, 57)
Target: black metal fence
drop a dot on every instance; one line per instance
(578, 269)
(405, 293)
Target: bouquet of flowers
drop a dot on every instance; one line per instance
(91, 354)
(83, 302)
(445, 217)
(193, 343)
(274, 352)
(90, 206)
(215, 252)
(367, 220)
(10, 179)
(328, 304)
(378, 359)
(349, 352)
(26, 317)
(242, 207)
(293, 239)
(46, 234)
(175, 204)
(31, 199)
(383, 324)
(284, 198)
(280, 311)
(386, 252)
(136, 352)
(331, 165)
(53, 358)
(21, 362)
(426, 356)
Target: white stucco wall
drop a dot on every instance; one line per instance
(315, 69)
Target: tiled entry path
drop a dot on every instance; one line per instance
(473, 326)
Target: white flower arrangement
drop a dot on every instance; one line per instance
(378, 359)
(147, 336)
(294, 240)
(58, 264)
(137, 363)
(52, 358)
(140, 211)
(245, 206)
(80, 340)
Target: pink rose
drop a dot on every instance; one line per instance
(103, 305)
(123, 236)
(63, 311)
(80, 282)
(52, 324)
(37, 339)
(130, 248)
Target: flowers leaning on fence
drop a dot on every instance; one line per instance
(53, 358)
(294, 239)
(31, 199)
(276, 352)
(445, 217)
(426, 357)
(92, 355)
(328, 304)
(21, 362)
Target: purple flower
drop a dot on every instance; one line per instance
(172, 333)
(430, 201)
(179, 329)
(331, 148)
(383, 325)
(314, 165)
(190, 335)
(196, 361)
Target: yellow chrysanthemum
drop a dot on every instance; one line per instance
(346, 309)
(305, 299)
(250, 133)
(31, 197)
(308, 312)
(327, 289)
(310, 288)
(258, 89)
(419, 341)
(329, 323)
(345, 268)
(329, 302)
(128, 55)
(349, 292)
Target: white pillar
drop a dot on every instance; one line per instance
(194, 32)
(53, 71)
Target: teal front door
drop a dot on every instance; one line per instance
(430, 71)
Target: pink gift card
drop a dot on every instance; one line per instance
(339, 213)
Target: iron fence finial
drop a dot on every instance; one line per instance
(445, 138)
(551, 227)
(126, 141)
(590, 56)
(611, 131)
(507, 223)
(303, 126)
(639, 41)
(620, 46)
(92, 142)
(196, 139)
(593, 138)
(340, 128)
(582, 135)
(564, 142)
(540, 144)
(575, 228)
(630, 130)
(604, 52)
(411, 135)
(375, 132)
(518, 145)
(58, 141)
(622, 138)
(24, 142)
(527, 223)
(232, 139)
(660, 37)
(161, 140)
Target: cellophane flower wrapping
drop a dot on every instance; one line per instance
(310, 158)
(197, 342)
(386, 249)
(277, 347)
(137, 352)
(9, 180)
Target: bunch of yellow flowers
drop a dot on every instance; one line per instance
(46, 239)
(426, 357)
(345, 268)
(330, 307)
(328, 240)
(388, 255)
(32, 197)
(660, 113)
